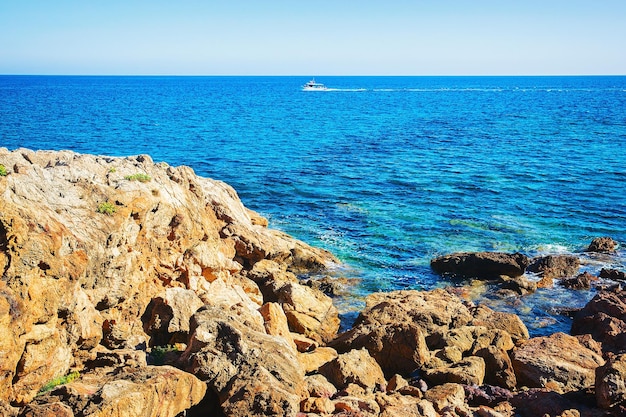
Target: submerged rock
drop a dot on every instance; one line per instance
(555, 266)
(602, 245)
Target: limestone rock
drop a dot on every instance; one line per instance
(395, 327)
(318, 386)
(555, 266)
(510, 323)
(56, 409)
(313, 360)
(610, 382)
(233, 359)
(604, 317)
(484, 265)
(446, 395)
(470, 371)
(354, 367)
(559, 362)
(580, 282)
(275, 322)
(603, 245)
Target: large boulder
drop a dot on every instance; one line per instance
(559, 362)
(603, 245)
(395, 327)
(231, 356)
(604, 318)
(610, 384)
(555, 266)
(354, 367)
(483, 265)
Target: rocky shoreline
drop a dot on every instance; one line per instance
(133, 288)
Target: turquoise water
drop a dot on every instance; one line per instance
(386, 172)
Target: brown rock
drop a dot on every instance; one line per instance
(318, 386)
(542, 402)
(558, 361)
(555, 266)
(322, 405)
(602, 245)
(470, 370)
(498, 367)
(580, 282)
(355, 406)
(484, 265)
(446, 395)
(510, 323)
(232, 358)
(47, 410)
(275, 322)
(312, 361)
(612, 274)
(393, 327)
(610, 382)
(356, 367)
(396, 405)
(604, 317)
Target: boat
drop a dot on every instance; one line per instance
(314, 86)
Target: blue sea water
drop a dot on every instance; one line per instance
(385, 172)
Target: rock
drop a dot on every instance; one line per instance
(602, 245)
(56, 409)
(309, 311)
(356, 367)
(446, 395)
(509, 322)
(486, 395)
(84, 248)
(232, 358)
(604, 318)
(275, 322)
(470, 371)
(612, 274)
(555, 266)
(312, 361)
(610, 382)
(397, 405)
(393, 327)
(580, 282)
(396, 382)
(322, 405)
(167, 317)
(559, 362)
(355, 406)
(484, 265)
(520, 285)
(543, 402)
(318, 386)
(498, 367)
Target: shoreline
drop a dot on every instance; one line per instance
(118, 271)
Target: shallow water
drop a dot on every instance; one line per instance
(385, 172)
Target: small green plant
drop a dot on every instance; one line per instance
(106, 208)
(61, 380)
(138, 177)
(157, 353)
(112, 170)
(3, 171)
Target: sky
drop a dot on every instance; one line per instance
(323, 37)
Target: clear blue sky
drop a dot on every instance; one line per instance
(323, 37)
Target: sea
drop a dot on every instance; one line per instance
(385, 172)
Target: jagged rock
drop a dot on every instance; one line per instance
(543, 402)
(510, 323)
(612, 274)
(313, 360)
(275, 322)
(486, 395)
(356, 406)
(604, 317)
(519, 285)
(56, 409)
(470, 370)
(498, 367)
(396, 382)
(559, 362)
(555, 266)
(484, 265)
(309, 311)
(167, 317)
(602, 245)
(393, 327)
(84, 249)
(232, 357)
(580, 282)
(354, 367)
(322, 405)
(446, 395)
(610, 382)
(318, 386)
(396, 405)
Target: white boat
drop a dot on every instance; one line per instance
(314, 86)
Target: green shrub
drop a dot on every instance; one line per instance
(138, 177)
(3, 171)
(62, 380)
(157, 354)
(106, 208)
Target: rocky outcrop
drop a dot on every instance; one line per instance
(559, 362)
(610, 383)
(604, 318)
(555, 266)
(603, 245)
(484, 265)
